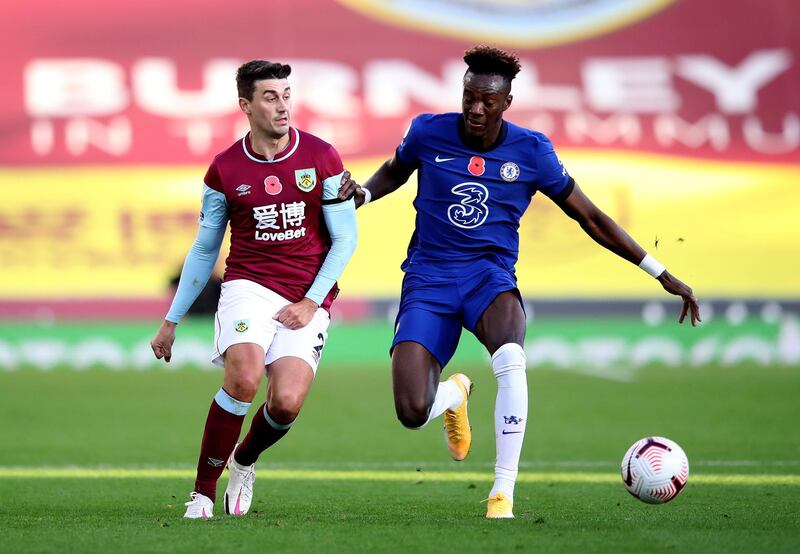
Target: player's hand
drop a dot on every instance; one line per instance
(350, 189)
(675, 286)
(298, 315)
(162, 342)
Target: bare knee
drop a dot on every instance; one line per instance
(284, 407)
(244, 369)
(243, 386)
(412, 412)
(415, 377)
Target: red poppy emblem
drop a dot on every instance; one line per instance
(476, 166)
(272, 185)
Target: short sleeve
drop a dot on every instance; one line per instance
(551, 177)
(329, 169)
(409, 150)
(329, 163)
(212, 178)
(214, 211)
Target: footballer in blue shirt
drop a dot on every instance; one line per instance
(477, 174)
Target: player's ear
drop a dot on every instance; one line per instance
(244, 105)
(507, 105)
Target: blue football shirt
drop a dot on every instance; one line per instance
(469, 203)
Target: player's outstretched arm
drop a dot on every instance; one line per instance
(340, 219)
(197, 269)
(606, 232)
(389, 177)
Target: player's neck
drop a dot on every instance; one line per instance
(266, 145)
(488, 141)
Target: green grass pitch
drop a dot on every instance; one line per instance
(99, 461)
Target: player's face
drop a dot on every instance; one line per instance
(485, 99)
(270, 109)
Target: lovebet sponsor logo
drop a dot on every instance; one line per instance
(283, 235)
(280, 222)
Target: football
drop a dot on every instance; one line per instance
(655, 470)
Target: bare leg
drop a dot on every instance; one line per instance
(415, 379)
(289, 382)
(503, 322)
(244, 366)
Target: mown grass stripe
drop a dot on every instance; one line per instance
(376, 475)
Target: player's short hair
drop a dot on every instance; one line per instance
(256, 70)
(488, 60)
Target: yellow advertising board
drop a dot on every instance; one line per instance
(729, 229)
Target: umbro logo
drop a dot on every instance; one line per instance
(440, 160)
(214, 462)
(243, 189)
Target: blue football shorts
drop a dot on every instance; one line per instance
(434, 308)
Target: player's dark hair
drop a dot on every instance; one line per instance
(488, 60)
(256, 70)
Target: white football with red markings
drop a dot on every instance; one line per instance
(655, 470)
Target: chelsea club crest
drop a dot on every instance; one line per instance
(509, 171)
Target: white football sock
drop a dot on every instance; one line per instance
(510, 415)
(448, 397)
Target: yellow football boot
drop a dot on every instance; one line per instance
(458, 431)
(499, 507)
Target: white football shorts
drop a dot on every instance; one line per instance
(245, 315)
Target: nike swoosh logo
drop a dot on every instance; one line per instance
(440, 160)
(510, 432)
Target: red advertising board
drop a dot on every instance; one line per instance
(98, 82)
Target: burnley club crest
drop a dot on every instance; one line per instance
(306, 179)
